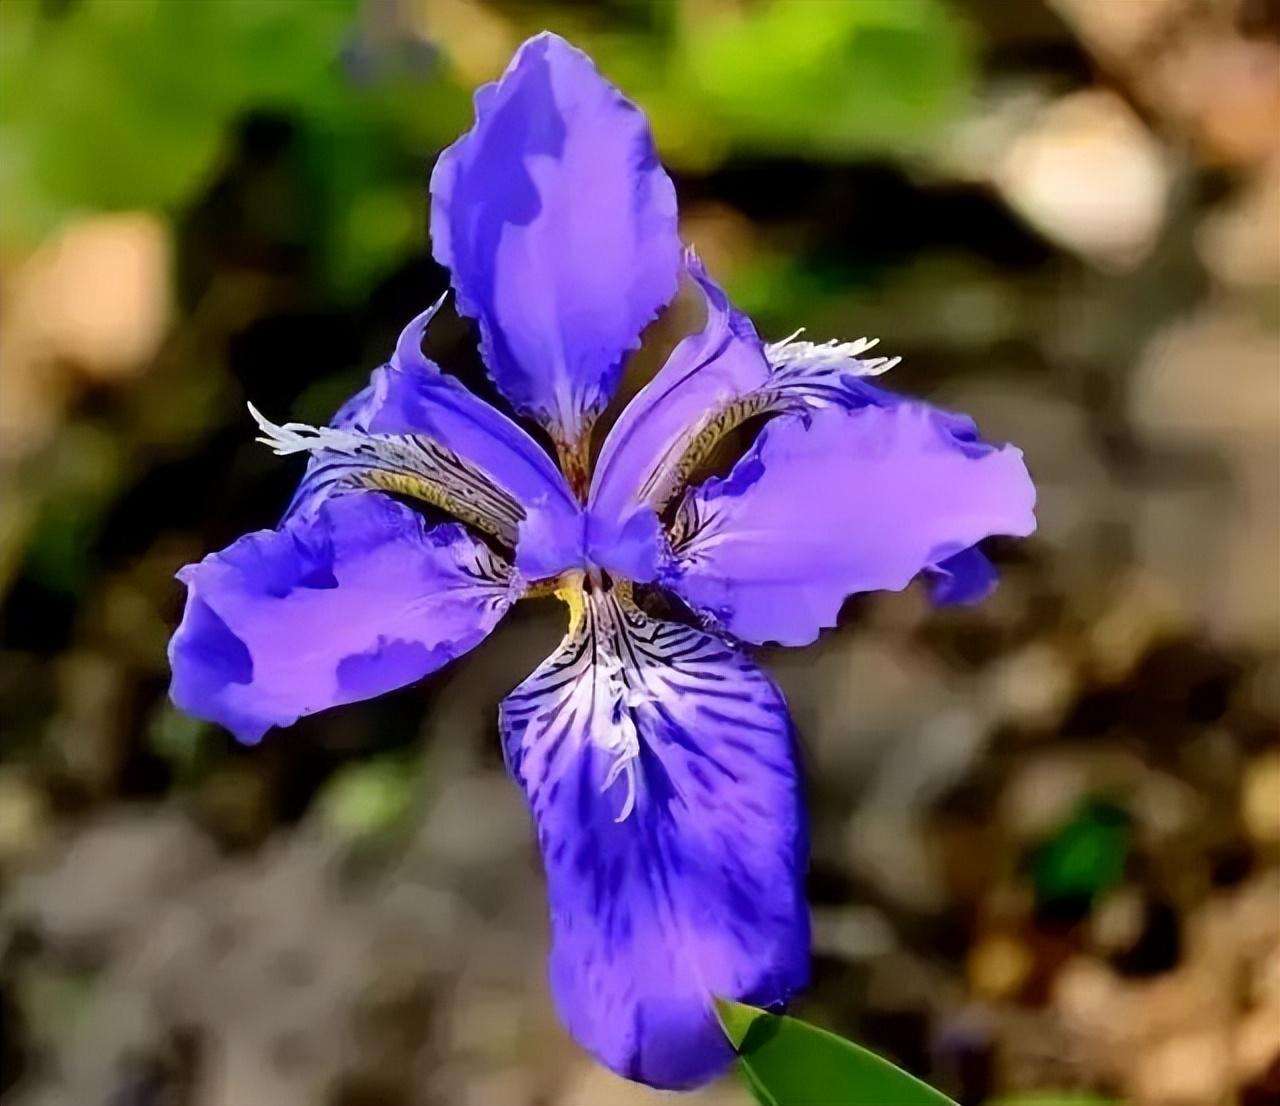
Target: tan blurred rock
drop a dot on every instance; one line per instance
(998, 966)
(1118, 28)
(1237, 932)
(1260, 798)
(100, 889)
(1116, 922)
(1210, 385)
(1191, 64)
(92, 303)
(1032, 687)
(486, 1025)
(887, 838)
(1048, 786)
(1240, 240)
(1194, 1069)
(97, 295)
(1140, 609)
(1257, 1043)
(1088, 175)
(1213, 375)
(477, 39)
(852, 933)
(724, 238)
(24, 816)
(104, 296)
(1224, 89)
(489, 1087)
(1265, 989)
(1186, 1035)
(475, 824)
(1086, 994)
(1165, 808)
(1036, 1052)
(1042, 793)
(88, 729)
(591, 1085)
(854, 697)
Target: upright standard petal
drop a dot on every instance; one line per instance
(838, 502)
(659, 766)
(559, 226)
(344, 604)
(640, 462)
(713, 382)
(415, 423)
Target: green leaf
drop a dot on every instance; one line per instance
(787, 1062)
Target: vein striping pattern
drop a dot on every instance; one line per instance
(408, 464)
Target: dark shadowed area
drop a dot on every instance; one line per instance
(1046, 830)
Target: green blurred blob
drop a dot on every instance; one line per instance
(787, 1062)
(378, 226)
(774, 289)
(109, 105)
(819, 80)
(80, 480)
(56, 1000)
(112, 105)
(1086, 857)
(370, 798)
(178, 738)
(831, 79)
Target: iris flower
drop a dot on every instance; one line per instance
(657, 758)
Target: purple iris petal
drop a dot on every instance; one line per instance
(674, 874)
(718, 364)
(712, 382)
(412, 396)
(558, 224)
(840, 502)
(964, 577)
(658, 760)
(359, 598)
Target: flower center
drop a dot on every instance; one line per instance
(574, 458)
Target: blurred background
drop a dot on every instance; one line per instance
(1046, 831)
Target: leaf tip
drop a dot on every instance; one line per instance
(735, 1018)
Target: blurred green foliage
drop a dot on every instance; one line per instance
(84, 472)
(108, 105)
(180, 740)
(886, 73)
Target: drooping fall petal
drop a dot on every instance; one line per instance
(659, 765)
(558, 224)
(358, 599)
(839, 502)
